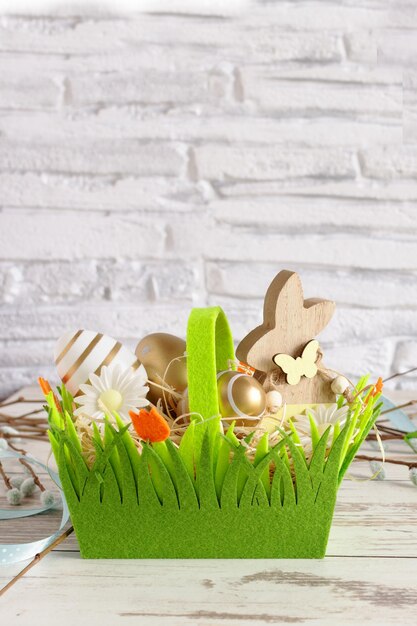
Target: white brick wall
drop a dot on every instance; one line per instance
(152, 162)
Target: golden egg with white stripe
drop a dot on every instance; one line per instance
(241, 396)
(80, 353)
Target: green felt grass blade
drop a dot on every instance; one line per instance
(261, 451)
(282, 488)
(111, 494)
(54, 416)
(353, 421)
(162, 451)
(295, 435)
(317, 462)
(75, 463)
(255, 477)
(66, 476)
(130, 447)
(66, 399)
(102, 474)
(206, 488)
(315, 437)
(186, 450)
(329, 483)
(114, 459)
(229, 493)
(226, 444)
(71, 432)
(222, 464)
(276, 496)
(93, 490)
(187, 496)
(169, 494)
(150, 495)
(129, 485)
(156, 476)
(98, 442)
(235, 443)
(361, 384)
(303, 485)
(54, 441)
(336, 431)
(104, 451)
(78, 463)
(364, 431)
(260, 498)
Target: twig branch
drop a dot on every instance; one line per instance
(363, 457)
(400, 406)
(38, 557)
(21, 400)
(38, 436)
(35, 477)
(6, 479)
(412, 369)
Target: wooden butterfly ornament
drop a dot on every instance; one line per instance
(304, 365)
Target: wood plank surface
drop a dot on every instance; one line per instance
(368, 577)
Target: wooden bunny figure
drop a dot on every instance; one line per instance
(283, 349)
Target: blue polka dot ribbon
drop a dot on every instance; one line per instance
(13, 553)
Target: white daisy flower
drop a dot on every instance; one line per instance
(324, 416)
(115, 390)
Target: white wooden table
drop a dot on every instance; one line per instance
(368, 577)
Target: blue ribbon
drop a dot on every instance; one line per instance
(13, 553)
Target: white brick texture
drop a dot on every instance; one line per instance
(154, 162)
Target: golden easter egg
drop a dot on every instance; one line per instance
(241, 396)
(80, 353)
(163, 356)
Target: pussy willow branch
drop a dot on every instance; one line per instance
(363, 457)
(35, 477)
(5, 477)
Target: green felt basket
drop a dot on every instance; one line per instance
(204, 499)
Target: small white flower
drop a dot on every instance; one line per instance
(115, 390)
(324, 416)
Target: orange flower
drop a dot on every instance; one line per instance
(150, 425)
(375, 389)
(46, 388)
(379, 386)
